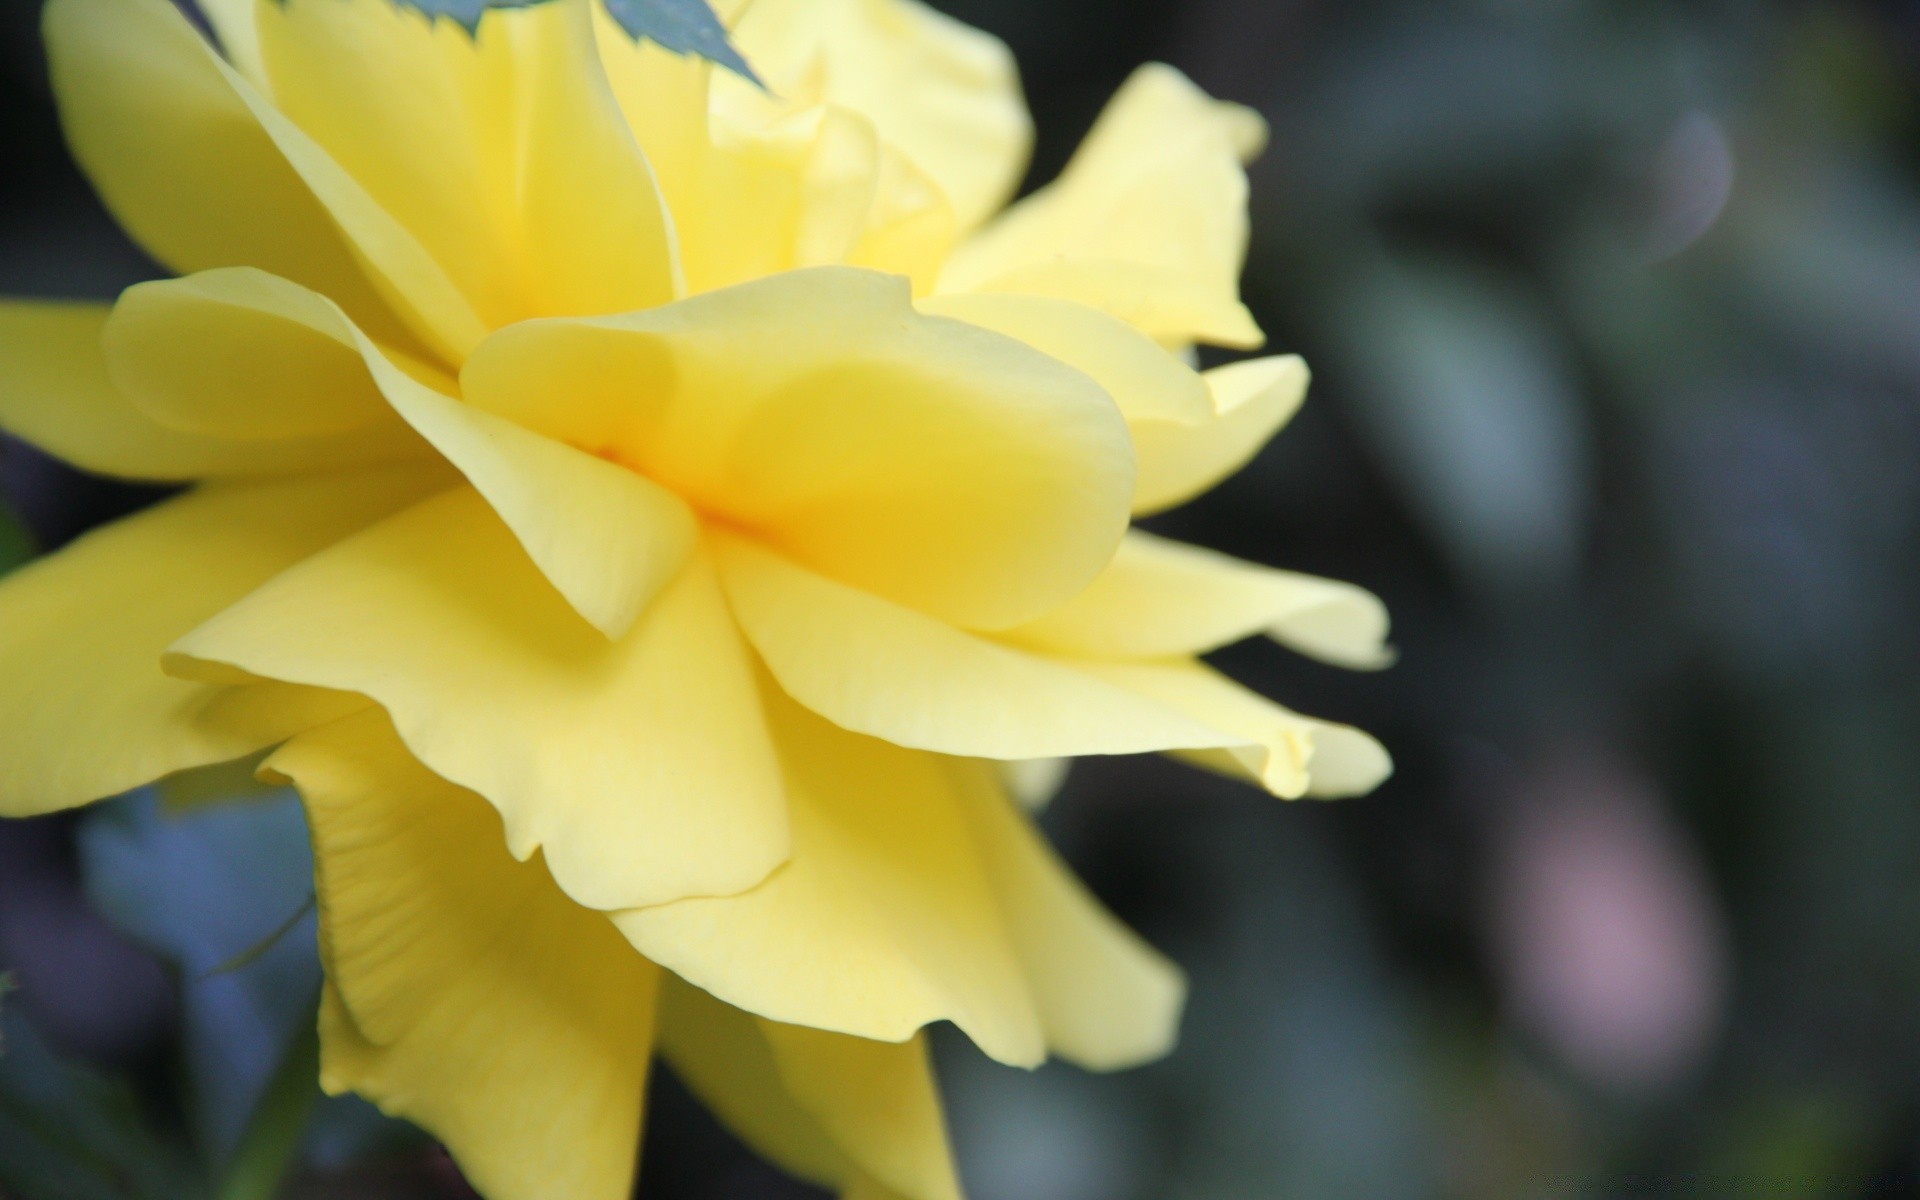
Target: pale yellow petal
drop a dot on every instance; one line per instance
(832, 1110)
(85, 711)
(719, 1052)
(1106, 999)
(468, 994)
(947, 95)
(1148, 221)
(1163, 599)
(55, 392)
(1034, 782)
(155, 119)
(1146, 382)
(1251, 401)
(881, 923)
(504, 154)
(238, 354)
(949, 468)
(641, 766)
(238, 34)
(877, 668)
(876, 1100)
(1288, 754)
(211, 351)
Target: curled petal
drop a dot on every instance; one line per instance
(641, 765)
(465, 992)
(1287, 754)
(243, 351)
(57, 394)
(1251, 401)
(1162, 599)
(1148, 221)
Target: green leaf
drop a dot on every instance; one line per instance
(273, 1135)
(682, 26)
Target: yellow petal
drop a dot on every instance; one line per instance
(238, 34)
(55, 393)
(840, 1112)
(1106, 999)
(878, 1102)
(608, 538)
(640, 765)
(467, 994)
(719, 1052)
(874, 667)
(1251, 401)
(943, 466)
(238, 354)
(1147, 383)
(1148, 221)
(156, 121)
(945, 94)
(881, 922)
(1287, 754)
(504, 154)
(85, 711)
(1162, 599)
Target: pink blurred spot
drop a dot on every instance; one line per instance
(1609, 942)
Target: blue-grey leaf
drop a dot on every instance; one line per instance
(682, 26)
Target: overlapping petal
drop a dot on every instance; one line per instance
(1162, 599)
(1147, 222)
(465, 991)
(945, 94)
(952, 469)
(57, 394)
(859, 1116)
(504, 153)
(640, 765)
(1282, 751)
(84, 710)
(1106, 999)
(242, 351)
(1251, 401)
(882, 922)
(163, 130)
(878, 668)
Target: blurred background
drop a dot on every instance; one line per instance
(1615, 314)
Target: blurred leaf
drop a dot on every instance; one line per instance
(682, 26)
(279, 1122)
(224, 891)
(1470, 400)
(69, 1134)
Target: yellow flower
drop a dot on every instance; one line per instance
(690, 492)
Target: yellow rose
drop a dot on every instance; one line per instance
(714, 483)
